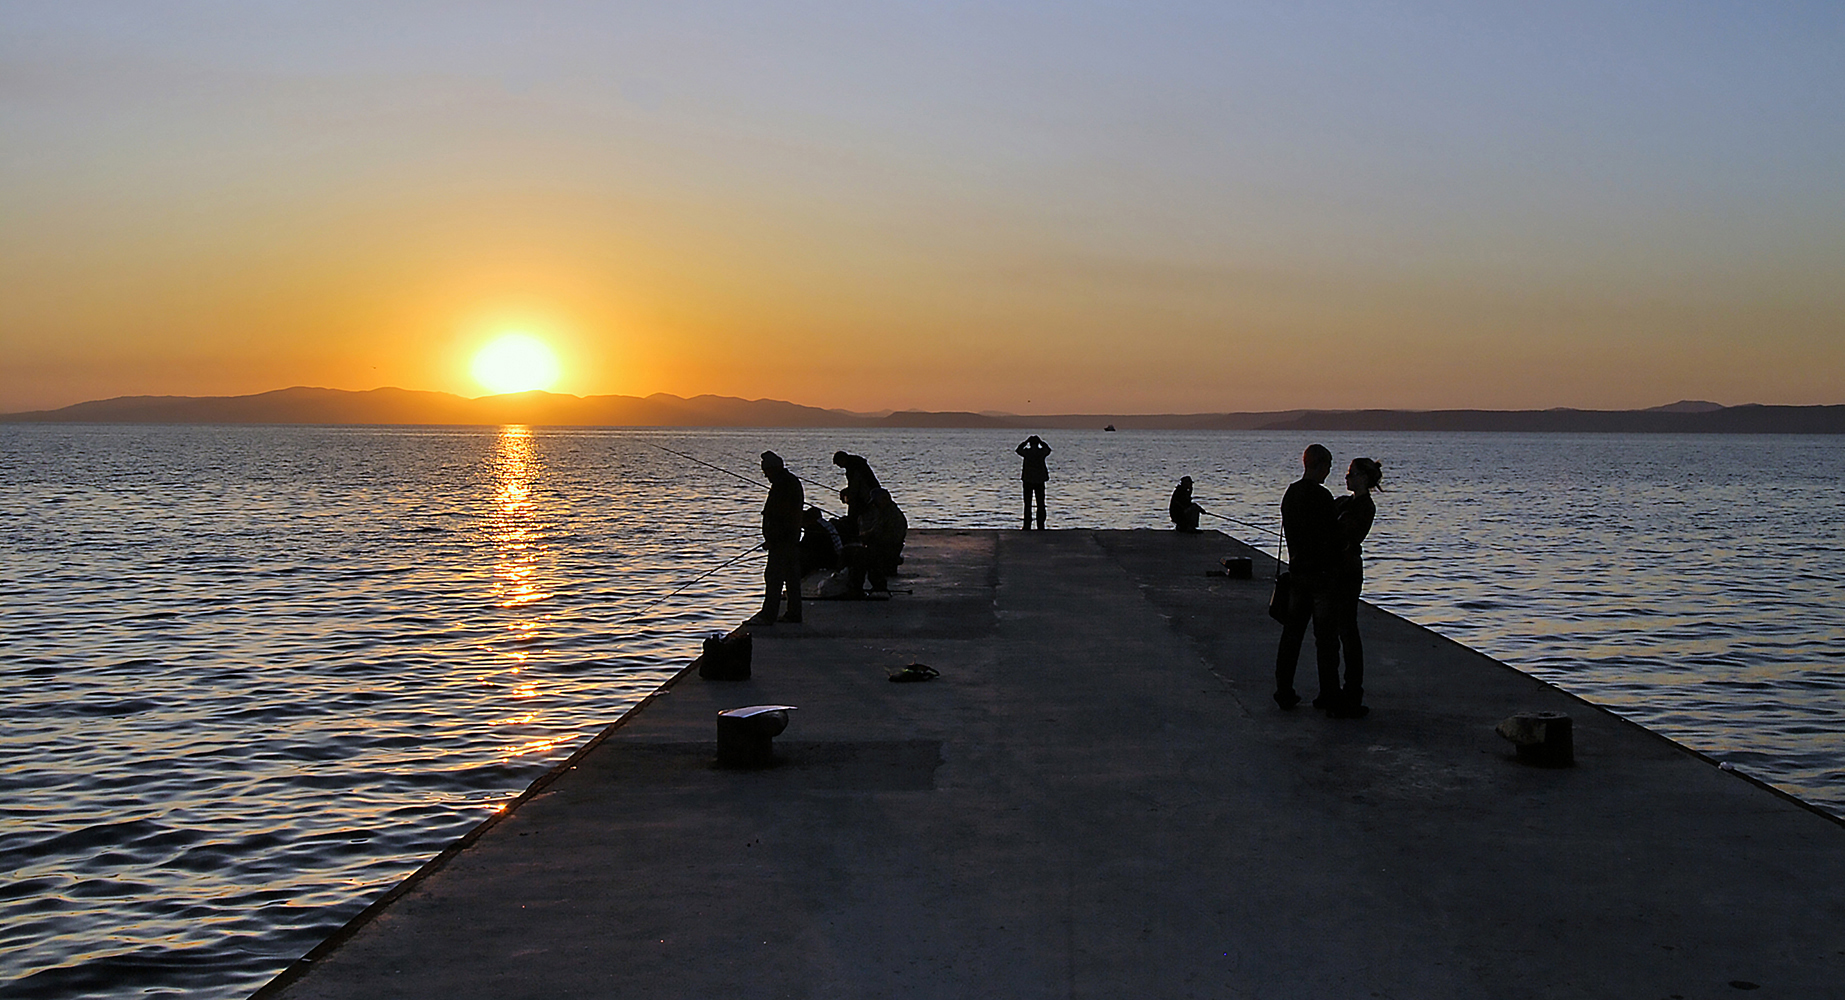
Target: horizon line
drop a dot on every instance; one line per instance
(1682, 405)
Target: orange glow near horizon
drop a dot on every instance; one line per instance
(1102, 212)
(516, 362)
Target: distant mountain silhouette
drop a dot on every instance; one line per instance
(305, 405)
(1750, 419)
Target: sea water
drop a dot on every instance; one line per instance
(254, 676)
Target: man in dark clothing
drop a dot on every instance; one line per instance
(1182, 510)
(1034, 474)
(1311, 524)
(781, 536)
(860, 482)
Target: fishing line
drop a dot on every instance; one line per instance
(738, 475)
(677, 590)
(1232, 520)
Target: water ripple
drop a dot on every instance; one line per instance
(255, 676)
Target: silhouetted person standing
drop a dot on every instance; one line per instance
(781, 536)
(1182, 510)
(1034, 474)
(1310, 523)
(1355, 512)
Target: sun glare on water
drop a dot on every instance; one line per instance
(516, 362)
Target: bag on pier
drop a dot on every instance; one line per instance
(726, 657)
(1278, 601)
(1284, 582)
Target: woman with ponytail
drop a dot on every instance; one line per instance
(1356, 511)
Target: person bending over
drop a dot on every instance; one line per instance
(860, 482)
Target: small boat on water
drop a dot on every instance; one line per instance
(1110, 427)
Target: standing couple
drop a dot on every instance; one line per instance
(1326, 572)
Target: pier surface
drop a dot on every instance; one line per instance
(1099, 799)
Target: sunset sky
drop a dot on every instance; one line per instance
(1033, 207)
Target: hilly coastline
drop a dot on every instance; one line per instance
(307, 405)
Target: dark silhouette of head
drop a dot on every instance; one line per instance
(1316, 461)
(771, 463)
(1367, 472)
(812, 515)
(839, 458)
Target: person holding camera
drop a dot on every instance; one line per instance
(1034, 474)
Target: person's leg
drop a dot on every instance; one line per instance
(1353, 647)
(855, 563)
(1027, 525)
(771, 592)
(791, 579)
(793, 614)
(1287, 654)
(1326, 645)
(1038, 488)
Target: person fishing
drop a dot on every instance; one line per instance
(1181, 509)
(781, 536)
(860, 483)
(822, 548)
(882, 530)
(1034, 474)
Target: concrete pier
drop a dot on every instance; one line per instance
(1098, 798)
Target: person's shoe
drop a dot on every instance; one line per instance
(790, 619)
(1286, 699)
(760, 618)
(1324, 703)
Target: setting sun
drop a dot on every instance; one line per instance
(516, 362)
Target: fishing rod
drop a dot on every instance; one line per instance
(681, 588)
(738, 475)
(1232, 520)
(718, 468)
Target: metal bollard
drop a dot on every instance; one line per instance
(745, 736)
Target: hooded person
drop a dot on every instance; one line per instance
(1182, 510)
